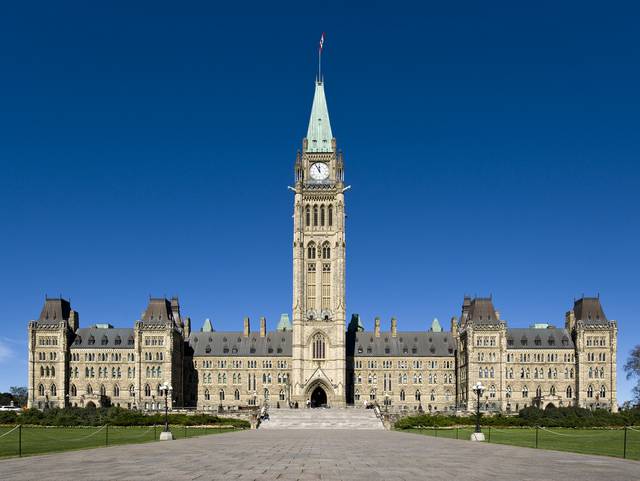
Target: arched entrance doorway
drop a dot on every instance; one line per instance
(318, 397)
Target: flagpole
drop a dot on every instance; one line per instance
(320, 64)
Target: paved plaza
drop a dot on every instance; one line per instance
(318, 455)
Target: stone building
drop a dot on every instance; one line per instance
(317, 358)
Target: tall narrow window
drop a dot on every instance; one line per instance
(326, 250)
(326, 285)
(318, 346)
(311, 251)
(307, 213)
(330, 212)
(322, 215)
(74, 390)
(315, 215)
(311, 286)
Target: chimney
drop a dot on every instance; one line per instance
(187, 327)
(454, 326)
(376, 327)
(263, 327)
(394, 327)
(247, 327)
(497, 315)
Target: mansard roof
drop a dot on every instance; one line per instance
(101, 338)
(162, 309)
(275, 343)
(411, 344)
(481, 311)
(55, 310)
(589, 311)
(532, 338)
(319, 136)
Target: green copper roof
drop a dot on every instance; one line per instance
(284, 324)
(319, 134)
(435, 325)
(207, 326)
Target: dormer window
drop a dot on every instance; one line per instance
(207, 349)
(91, 341)
(78, 341)
(117, 341)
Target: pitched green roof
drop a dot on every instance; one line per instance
(319, 134)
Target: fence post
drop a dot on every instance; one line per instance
(536, 437)
(106, 440)
(20, 440)
(624, 451)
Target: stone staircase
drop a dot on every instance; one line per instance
(322, 418)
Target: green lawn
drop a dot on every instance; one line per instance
(606, 442)
(38, 440)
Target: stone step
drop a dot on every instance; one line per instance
(340, 418)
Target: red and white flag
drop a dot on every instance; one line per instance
(321, 42)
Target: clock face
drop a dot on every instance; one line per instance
(319, 171)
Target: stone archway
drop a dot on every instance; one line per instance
(318, 397)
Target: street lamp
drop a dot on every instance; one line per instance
(166, 389)
(478, 389)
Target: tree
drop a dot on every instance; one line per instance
(632, 366)
(19, 394)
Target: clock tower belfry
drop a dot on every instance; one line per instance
(319, 313)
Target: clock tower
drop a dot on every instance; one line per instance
(318, 357)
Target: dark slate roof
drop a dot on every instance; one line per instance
(589, 311)
(412, 344)
(481, 311)
(55, 310)
(530, 338)
(275, 343)
(103, 338)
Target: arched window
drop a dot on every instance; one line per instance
(538, 391)
(552, 390)
(103, 390)
(590, 391)
(221, 395)
(525, 391)
(417, 396)
(41, 390)
(89, 389)
(53, 390)
(569, 392)
(330, 212)
(159, 390)
(266, 394)
(402, 395)
(41, 371)
(508, 392)
(116, 390)
(47, 371)
(603, 391)
(132, 390)
(236, 395)
(74, 390)
(315, 215)
(311, 251)
(281, 395)
(356, 396)
(318, 346)
(326, 251)
(322, 215)
(372, 395)
(432, 395)
(307, 212)
(147, 390)
(207, 396)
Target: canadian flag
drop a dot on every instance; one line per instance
(321, 41)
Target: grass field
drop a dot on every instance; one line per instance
(38, 440)
(605, 442)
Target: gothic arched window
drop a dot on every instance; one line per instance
(74, 390)
(315, 215)
(569, 392)
(330, 215)
(41, 390)
(525, 391)
(147, 390)
(590, 391)
(326, 251)
(311, 251)
(603, 391)
(103, 390)
(307, 213)
(221, 395)
(116, 391)
(54, 390)
(417, 396)
(318, 346)
(236, 395)
(322, 215)
(207, 396)
(538, 391)
(402, 395)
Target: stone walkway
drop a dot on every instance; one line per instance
(319, 455)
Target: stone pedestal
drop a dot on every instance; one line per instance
(477, 437)
(166, 436)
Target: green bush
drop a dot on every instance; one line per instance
(568, 417)
(74, 416)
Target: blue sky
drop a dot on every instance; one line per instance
(145, 149)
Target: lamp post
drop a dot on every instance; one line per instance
(166, 390)
(478, 389)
